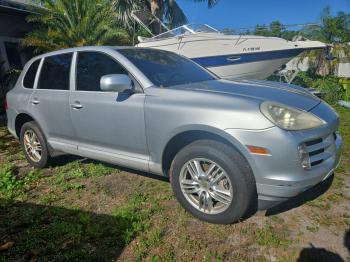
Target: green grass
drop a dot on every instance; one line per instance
(214, 256)
(48, 198)
(11, 184)
(321, 203)
(73, 186)
(133, 216)
(69, 176)
(312, 229)
(268, 236)
(98, 169)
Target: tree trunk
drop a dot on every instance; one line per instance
(157, 10)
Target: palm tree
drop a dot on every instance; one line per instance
(69, 23)
(165, 10)
(334, 30)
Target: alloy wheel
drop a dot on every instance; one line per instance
(206, 186)
(32, 145)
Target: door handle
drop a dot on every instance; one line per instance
(35, 101)
(77, 105)
(233, 58)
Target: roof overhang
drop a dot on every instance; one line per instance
(22, 8)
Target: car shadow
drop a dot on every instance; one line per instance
(31, 232)
(65, 159)
(314, 254)
(302, 198)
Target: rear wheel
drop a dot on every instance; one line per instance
(34, 145)
(213, 181)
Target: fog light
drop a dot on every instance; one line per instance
(304, 157)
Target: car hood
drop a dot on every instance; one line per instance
(287, 94)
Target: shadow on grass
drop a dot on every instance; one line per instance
(314, 254)
(58, 234)
(302, 198)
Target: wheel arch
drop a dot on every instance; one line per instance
(183, 138)
(21, 119)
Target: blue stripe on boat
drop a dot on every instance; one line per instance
(222, 60)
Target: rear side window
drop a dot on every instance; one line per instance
(91, 66)
(28, 81)
(55, 72)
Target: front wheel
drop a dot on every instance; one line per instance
(213, 181)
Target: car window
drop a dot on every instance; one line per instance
(55, 72)
(164, 68)
(91, 66)
(28, 81)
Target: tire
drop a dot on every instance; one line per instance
(240, 182)
(32, 127)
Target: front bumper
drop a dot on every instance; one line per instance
(275, 207)
(280, 176)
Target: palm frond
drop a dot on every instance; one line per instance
(69, 23)
(173, 14)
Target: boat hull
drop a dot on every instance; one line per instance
(247, 66)
(252, 70)
(235, 57)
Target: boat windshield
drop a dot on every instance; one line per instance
(187, 30)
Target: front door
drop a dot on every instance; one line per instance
(109, 126)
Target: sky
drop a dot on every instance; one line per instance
(247, 13)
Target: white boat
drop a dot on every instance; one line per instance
(228, 56)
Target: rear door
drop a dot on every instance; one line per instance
(49, 103)
(19, 97)
(109, 126)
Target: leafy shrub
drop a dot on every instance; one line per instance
(331, 87)
(334, 88)
(304, 79)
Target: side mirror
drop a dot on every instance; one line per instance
(116, 82)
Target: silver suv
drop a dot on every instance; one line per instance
(226, 146)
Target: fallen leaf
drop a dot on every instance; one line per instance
(6, 246)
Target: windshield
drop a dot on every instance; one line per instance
(187, 29)
(164, 68)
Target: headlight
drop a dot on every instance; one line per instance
(289, 118)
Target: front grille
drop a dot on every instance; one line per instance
(316, 152)
(315, 163)
(313, 142)
(321, 149)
